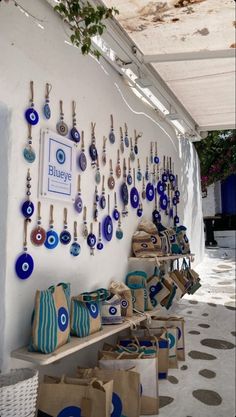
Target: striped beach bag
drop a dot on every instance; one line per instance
(50, 327)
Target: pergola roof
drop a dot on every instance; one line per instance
(191, 45)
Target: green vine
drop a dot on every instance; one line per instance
(217, 154)
(85, 22)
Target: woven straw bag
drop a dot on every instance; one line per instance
(18, 393)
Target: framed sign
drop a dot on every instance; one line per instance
(57, 167)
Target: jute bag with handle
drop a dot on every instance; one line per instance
(119, 288)
(178, 322)
(172, 333)
(73, 397)
(126, 389)
(159, 342)
(146, 365)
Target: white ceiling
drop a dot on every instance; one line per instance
(184, 45)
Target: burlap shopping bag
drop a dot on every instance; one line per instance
(142, 245)
(179, 323)
(157, 290)
(137, 282)
(126, 389)
(168, 301)
(172, 334)
(158, 341)
(182, 239)
(86, 312)
(119, 288)
(149, 227)
(74, 397)
(50, 327)
(147, 367)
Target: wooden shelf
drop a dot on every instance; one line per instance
(75, 345)
(162, 258)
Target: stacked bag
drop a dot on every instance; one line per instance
(152, 240)
(125, 382)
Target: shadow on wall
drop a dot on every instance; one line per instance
(4, 135)
(189, 184)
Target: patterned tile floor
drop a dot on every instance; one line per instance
(204, 385)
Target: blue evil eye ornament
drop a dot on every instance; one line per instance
(52, 239)
(63, 319)
(119, 234)
(176, 220)
(116, 410)
(156, 217)
(160, 187)
(139, 212)
(93, 152)
(75, 135)
(126, 141)
(70, 412)
(150, 192)
(108, 228)
(164, 177)
(171, 177)
(91, 240)
(156, 159)
(112, 310)
(29, 154)
(139, 176)
(75, 249)
(24, 266)
(129, 179)
(136, 149)
(174, 201)
(93, 309)
(32, 116)
(102, 202)
(116, 214)
(112, 137)
(124, 193)
(47, 111)
(78, 204)
(177, 194)
(163, 201)
(82, 161)
(65, 237)
(27, 209)
(134, 197)
(100, 245)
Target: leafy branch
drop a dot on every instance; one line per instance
(85, 22)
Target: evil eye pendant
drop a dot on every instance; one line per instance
(156, 159)
(32, 116)
(47, 111)
(75, 135)
(62, 128)
(126, 141)
(65, 237)
(119, 234)
(29, 154)
(24, 266)
(139, 212)
(112, 137)
(75, 249)
(100, 246)
(27, 209)
(116, 214)
(52, 240)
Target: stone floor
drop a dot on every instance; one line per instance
(204, 385)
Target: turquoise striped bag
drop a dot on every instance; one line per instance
(86, 312)
(50, 327)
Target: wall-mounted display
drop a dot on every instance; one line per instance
(24, 265)
(75, 247)
(111, 180)
(104, 152)
(97, 173)
(57, 174)
(82, 160)
(28, 151)
(118, 168)
(85, 227)
(102, 201)
(122, 146)
(100, 245)
(74, 133)
(27, 208)
(31, 114)
(46, 107)
(132, 154)
(115, 213)
(78, 204)
(38, 234)
(91, 240)
(65, 236)
(61, 126)
(134, 194)
(52, 238)
(107, 224)
(126, 138)
(92, 148)
(112, 137)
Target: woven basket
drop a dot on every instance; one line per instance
(18, 393)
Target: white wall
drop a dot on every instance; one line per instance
(30, 53)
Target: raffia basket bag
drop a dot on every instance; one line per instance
(18, 393)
